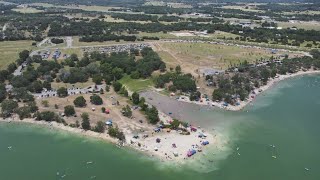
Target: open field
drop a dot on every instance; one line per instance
(9, 51)
(308, 25)
(302, 12)
(83, 7)
(192, 56)
(136, 84)
(56, 85)
(243, 8)
(27, 10)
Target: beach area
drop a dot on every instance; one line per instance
(172, 147)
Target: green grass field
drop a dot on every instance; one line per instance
(135, 85)
(208, 55)
(56, 85)
(9, 51)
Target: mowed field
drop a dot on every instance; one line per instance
(200, 55)
(136, 85)
(26, 10)
(9, 51)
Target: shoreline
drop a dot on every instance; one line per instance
(252, 96)
(165, 152)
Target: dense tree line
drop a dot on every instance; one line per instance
(134, 17)
(246, 77)
(106, 37)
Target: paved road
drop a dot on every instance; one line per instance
(69, 41)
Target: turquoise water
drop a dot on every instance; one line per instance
(287, 117)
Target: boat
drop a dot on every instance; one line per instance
(275, 157)
(307, 169)
(89, 162)
(238, 148)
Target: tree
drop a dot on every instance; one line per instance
(107, 88)
(217, 94)
(117, 73)
(74, 57)
(3, 92)
(62, 92)
(8, 107)
(152, 115)
(96, 99)
(135, 98)
(24, 54)
(117, 86)
(178, 69)
(85, 121)
(69, 110)
(126, 111)
(115, 132)
(47, 85)
(80, 102)
(265, 75)
(33, 106)
(12, 67)
(45, 115)
(174, 124)
(24, 112)
(97, 79)
(135, 75)
(100, 127)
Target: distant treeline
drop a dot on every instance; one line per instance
(107, 37)
(82, 2)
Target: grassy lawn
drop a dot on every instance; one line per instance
(56, 85)
(136, 84)
(210, 55)
(9, 51)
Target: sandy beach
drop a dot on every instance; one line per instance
(164, 150)
(252, 96)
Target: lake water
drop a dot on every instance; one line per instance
(287, 116)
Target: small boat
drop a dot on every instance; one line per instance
(89, 162)
(10, 147)
(238, 154)
(238, 148)
(307, 169)
(275, 157)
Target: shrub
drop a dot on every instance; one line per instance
(69, 110)
(80, 102)
(95, 99)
